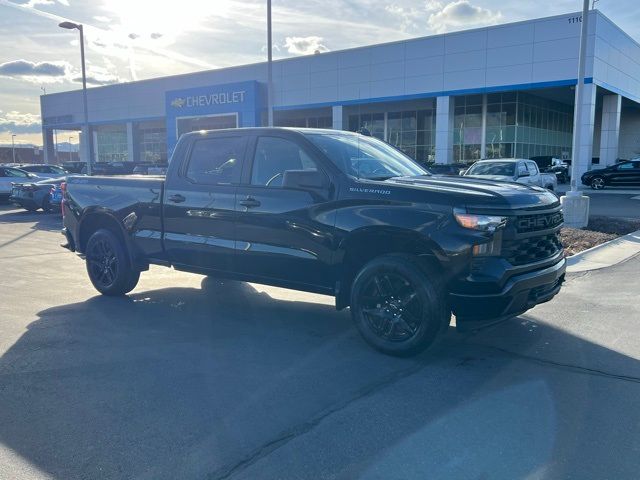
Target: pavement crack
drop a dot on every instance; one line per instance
(564, 366)
(286, 436)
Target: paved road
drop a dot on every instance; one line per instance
(196, 378)
(610, 204)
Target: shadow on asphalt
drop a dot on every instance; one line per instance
(198, 383)
(10, 214)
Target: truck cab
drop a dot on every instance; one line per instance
(517, 170)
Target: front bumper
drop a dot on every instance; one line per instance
(520, 293)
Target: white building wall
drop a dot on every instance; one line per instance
(524, 53)
(610, 129)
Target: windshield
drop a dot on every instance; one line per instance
(365, 157)
(507, 169)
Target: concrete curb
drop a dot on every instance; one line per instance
(606, 254)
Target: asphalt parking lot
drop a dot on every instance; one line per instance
(190, 377)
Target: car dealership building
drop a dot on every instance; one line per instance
(501, 91)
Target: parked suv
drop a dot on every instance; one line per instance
(331, 212)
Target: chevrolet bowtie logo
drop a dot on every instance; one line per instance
(177, 102)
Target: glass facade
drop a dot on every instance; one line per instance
(544, 127)
(111, 144)
(518, 124)
(303, 119)
(410, 129)
(152, 142)
(467, 128)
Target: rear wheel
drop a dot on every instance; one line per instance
(46, 204)
(108, 264)
(398, 306)
(597, 183)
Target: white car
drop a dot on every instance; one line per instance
(45, 171)
(513, 170)
(9, 175)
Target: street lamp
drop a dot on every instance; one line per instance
(575, 206)
(13, 147)
(87, 135)
(269, 68)
(70, 158)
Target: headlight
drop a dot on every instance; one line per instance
(484, 223)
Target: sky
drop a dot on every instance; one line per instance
(128, 40)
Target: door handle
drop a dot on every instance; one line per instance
(250, 202)
(177, 198)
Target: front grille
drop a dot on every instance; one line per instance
(532, 249)
(534, 223)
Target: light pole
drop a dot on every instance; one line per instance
(269, 68)
(87, 134)
(70, 158)
(575, 206)
(13, 147)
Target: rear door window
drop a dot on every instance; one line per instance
(216, 160)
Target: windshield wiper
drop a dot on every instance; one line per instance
(382, 177)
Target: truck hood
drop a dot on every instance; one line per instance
(475, 192)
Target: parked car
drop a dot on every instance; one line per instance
(110, 168)
(55, 197)
(513, 170)
(446, 169)
(622, 174)
(44, 171)
(9, 175)
(330, 212)
(150, 169)
(35, 195)
(550, 164)
(74, 167)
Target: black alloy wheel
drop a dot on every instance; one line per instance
(108, 264)
(392, 307)
(399, 305)
(597, 183)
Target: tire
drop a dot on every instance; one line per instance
(399, 306)
(108, 264)
(597, 183)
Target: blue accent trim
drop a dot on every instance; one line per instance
(415, 96)
(104, 122)
(617, 90)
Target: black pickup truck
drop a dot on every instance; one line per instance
(331, 212)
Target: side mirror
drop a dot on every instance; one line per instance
(305, 180)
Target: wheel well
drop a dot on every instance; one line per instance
(94, 222)
(364, 248)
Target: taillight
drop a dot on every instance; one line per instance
(63, 187)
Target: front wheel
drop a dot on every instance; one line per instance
(399, 306)
(597, 183)
(108, 265)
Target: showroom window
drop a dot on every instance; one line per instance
(111, 145)
(152, 142)
(467, 128)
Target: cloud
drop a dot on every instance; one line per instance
(35, 3)
(461, 14)
(440, 18)
(304, 45)
(18, 123)
(57, 72)
(101, 18)
(35, 72)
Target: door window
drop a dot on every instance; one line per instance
(273, 157)
(625, 166)
(11, 172)
(522, 170)
(533, 168)
(216, 160)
